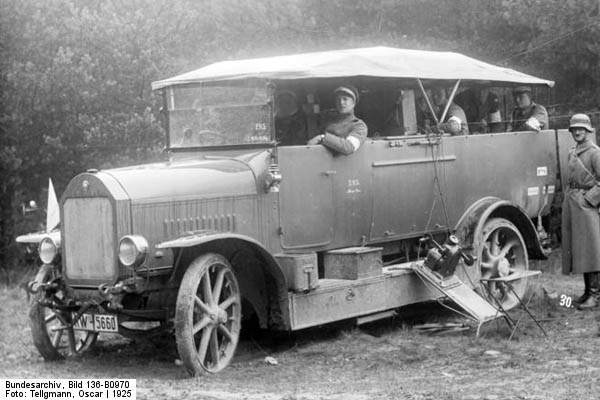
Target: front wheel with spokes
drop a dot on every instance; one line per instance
(208, 315)
(52, 329)
(54, 335)
(501, 252)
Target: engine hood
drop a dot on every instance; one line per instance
(179, 180)
(186, 179)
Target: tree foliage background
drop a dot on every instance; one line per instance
(75, 74)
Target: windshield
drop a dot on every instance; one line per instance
(218, 116)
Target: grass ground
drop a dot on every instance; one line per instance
(390, 359)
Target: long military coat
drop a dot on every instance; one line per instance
(580, 218)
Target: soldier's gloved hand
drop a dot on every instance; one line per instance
(316, 140)
(534, 124)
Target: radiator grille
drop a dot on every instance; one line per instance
(89, 239)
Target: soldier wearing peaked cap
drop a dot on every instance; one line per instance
(580, 218)
(343, 132)
(527, 115)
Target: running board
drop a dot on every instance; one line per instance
(475, 305)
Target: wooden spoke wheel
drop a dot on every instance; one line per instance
(500, 253)
(208, 315)
(52, 329)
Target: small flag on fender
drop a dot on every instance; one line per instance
(53, 212)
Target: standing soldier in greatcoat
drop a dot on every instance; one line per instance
(580, 218)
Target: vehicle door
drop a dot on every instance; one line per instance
(406, 200)
(306, 204)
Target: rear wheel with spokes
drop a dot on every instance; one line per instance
(502, 252)
(208, 315)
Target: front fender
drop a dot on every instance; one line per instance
(229, 243)
(36, 238)
(213, 236)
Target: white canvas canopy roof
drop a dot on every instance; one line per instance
(381, 62)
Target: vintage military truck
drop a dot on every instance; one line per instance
(237, 226)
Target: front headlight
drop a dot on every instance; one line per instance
(132, 250)
(49, 249)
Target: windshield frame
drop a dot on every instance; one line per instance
(166, 111)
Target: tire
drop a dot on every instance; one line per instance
(208, 315)
(501, 251)
(53, 335)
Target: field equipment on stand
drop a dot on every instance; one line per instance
(438, 271)
(443, 259)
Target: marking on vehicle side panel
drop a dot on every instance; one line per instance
(258, 139)
(533, 191)
(350, 295)
(353, 186)
(549, 189)
(542, 171)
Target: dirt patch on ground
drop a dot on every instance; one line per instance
(390, 359)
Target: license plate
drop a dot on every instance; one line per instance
(97, 323)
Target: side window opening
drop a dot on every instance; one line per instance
(390, 111)
(290, 117)
(301, 111)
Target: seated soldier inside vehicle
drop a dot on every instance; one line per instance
(424, 116)
(492, 117)
(455, 122)
(290, 122)
(394, 122)
(483, 116)
(527, 115)
(342, 131)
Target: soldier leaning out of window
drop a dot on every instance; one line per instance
(527, 115)
(455, 122)
(343, 132)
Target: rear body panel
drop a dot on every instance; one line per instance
(394, 189)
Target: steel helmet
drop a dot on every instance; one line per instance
(580, 121)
